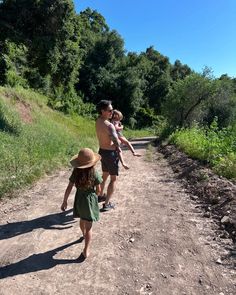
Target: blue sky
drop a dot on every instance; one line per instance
(197, 32)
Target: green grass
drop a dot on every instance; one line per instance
(46, 143)
(217, 147)
(130, 133)
(149, 155)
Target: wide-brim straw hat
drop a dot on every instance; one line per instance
(85, 158)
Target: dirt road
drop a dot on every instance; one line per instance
(155, 241)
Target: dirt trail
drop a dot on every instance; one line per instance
(155, 241)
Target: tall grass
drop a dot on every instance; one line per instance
(31, 149)
(213, 145)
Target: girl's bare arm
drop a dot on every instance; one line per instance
(98, 189)
(66, 195)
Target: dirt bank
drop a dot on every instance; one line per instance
(216, 195)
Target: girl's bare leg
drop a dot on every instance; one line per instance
(87, 237)
(82, 227)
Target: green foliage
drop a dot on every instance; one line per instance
(179, 71)
(187, 99)
(211, 144)
(43, 145)
(76, 60)
(9, 119)
(87, 110)
(222, 104)
(157, 78)
(19, 93)
(162, 128)
(98, 76)
(49, 32)
(14, 64)
(132, 134)
(129, 94)
(92, 27)
(146, 118)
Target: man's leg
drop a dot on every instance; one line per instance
(104, 179)
(110, 188)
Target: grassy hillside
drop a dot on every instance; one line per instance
(35, 140)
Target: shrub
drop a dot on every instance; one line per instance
(211, 144)
(9, 119)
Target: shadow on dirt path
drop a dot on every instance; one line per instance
(51, 221)
(37, 262)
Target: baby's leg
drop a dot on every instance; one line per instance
(122, 160)
(126, 142)
(123, 140)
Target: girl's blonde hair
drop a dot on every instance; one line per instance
(84, 178)
(116, 112)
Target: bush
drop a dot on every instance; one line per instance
(146, 118)
(9, 120)
(14, 64)
(213, 145)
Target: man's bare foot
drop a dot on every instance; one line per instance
(125, 166)
(137, 155)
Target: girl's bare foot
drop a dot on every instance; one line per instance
(86, 254)
(137, 155)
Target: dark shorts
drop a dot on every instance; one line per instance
(110, 161)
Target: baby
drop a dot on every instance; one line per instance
(116, 121)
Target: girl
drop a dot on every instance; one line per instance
(87, 182)
(116, 121)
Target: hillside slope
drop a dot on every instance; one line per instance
(34, 139)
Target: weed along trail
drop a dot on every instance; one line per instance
(154, 242)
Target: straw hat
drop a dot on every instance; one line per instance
(85, 159)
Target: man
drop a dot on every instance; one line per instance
(108, 149)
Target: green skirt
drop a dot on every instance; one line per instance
(86, 206)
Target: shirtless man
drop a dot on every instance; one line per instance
(108, 149)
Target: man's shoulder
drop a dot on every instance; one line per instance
(108, 123)
(105, 122)
(103, 125)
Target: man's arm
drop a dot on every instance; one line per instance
(113, 135)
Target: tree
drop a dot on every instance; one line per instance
(49, 29)
(179, 71)
(222, 104)
(100, 65)
(186, 100)
(92, 27)
(157, 79)
(14, 66)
